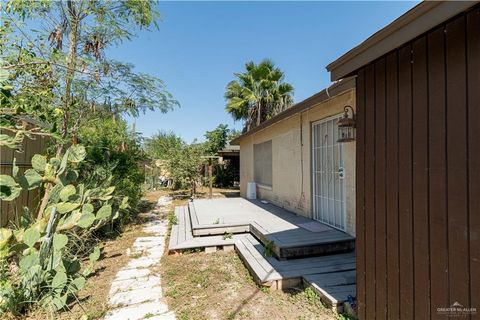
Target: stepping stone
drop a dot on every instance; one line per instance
(142, 262)
(147, 244)
(164, 316)
(140, 295)
(137, 312)
(134, 284)
(131, 274)
(156, 252)
(155, 228)
(149, 239)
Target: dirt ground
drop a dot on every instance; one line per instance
(218, 286)
(196, 285)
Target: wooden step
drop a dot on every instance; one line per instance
(319, 245)
(182, 230)
(214, 229)
(219, 242)
(333, 288)
(252, 254)
(181, 237)
(332, 277)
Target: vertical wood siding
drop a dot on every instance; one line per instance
(10, 211)
(360, 195)
(418, 175)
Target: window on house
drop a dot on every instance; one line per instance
(262, 163)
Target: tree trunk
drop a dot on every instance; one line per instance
(259, 113)
(71, 64)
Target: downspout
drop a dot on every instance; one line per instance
(301, 201)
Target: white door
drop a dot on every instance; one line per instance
(328, 174)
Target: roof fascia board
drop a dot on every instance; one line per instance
(415, 22)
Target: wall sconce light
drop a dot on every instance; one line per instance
(346, 126)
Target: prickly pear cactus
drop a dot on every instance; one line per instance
(37, 248)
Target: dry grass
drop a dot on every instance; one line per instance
(218, 286)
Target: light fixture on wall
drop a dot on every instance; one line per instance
(346, 126)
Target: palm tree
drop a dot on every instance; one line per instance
(258, 94)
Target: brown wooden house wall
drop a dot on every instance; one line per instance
(418, 175)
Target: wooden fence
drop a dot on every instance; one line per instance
(11, 211)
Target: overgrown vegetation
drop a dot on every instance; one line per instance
(218, 286)
(58, 82)
(184, 163)
(114, 157)
(36, 259)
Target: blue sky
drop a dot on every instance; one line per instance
(199, 45)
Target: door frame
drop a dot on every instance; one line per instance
(313, 175)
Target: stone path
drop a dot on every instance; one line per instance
(136, 291)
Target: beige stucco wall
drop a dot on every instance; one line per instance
(291, 159)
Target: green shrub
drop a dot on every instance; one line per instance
(113, 157)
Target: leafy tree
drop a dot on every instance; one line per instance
(60, 79)
(216, 139)
(68, 59)
(184, 165)
(182, 161)
(258, 94)
(233, 134)
(162, 144)
(60, 74)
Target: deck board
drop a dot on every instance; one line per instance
(173, 241)
(202, 242)
(269, 223)
(333, 277)
(255, 268)
(332, 274)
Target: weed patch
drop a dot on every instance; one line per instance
(172, 219)
(218, 286)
